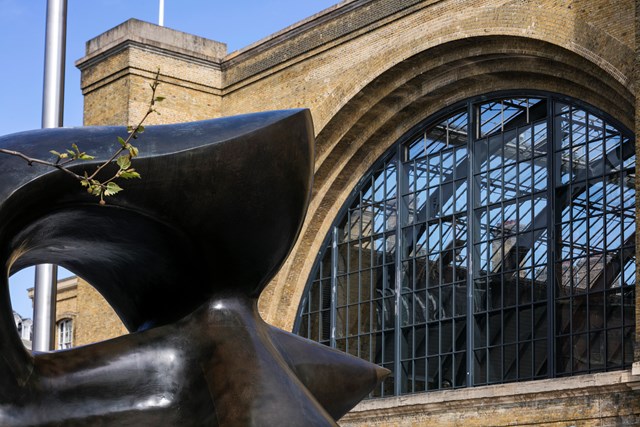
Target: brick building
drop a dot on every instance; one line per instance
(82, 315)
(472, 224)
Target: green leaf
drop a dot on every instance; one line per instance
(84, 183)
(75, 147)
(124, 162)
(129, 173)
(85, 156)
(64, 155)
(54, 152)
(71, 153)
(112, 188)
(96, 190)
(122, 141)
(133, 151)
(140, 129)
(160, 98)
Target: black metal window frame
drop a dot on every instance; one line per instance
(383, 322)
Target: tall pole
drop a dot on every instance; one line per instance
(44, 300)
(161, 14)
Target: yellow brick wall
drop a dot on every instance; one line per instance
(369, 71)
(108, 105)
(96, 320)
(93, 318)
(117, 70)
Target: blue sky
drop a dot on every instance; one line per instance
(237, 23)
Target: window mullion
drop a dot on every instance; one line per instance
(334, 285)
(471, 136)
(551, 235)
(402, 177)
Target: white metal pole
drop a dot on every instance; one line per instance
(44, 303)
(54, 57)
(161, 14)
(44, 299)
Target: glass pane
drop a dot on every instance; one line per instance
(546, 201)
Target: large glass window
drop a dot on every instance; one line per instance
(494, 244)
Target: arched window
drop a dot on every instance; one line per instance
(493, 244)
(65, 334)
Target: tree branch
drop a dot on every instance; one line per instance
(94, 186)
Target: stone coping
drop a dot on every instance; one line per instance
(151, 35)
(300, 25)
(63, 284)
(529, 390)
(280, 47)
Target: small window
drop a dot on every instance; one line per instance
(65, 334)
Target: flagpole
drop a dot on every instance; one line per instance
(44, 299)
(161, 14)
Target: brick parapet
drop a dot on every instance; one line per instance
(325, 81)
(316, 34)
(317, 56)
(153, 37)
(129, 56)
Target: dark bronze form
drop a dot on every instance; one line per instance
(182, 256)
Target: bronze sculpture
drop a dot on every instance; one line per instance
(182, 256)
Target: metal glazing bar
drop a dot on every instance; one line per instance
(553, 245)
(471, 229)
(334, 285)
(402, 184)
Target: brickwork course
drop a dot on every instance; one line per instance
(92, 317)
(369, 71)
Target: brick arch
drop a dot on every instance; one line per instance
(597, 31)
(405, 94)
(326, 62)
(458, 58)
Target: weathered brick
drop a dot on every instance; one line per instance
(370, 70)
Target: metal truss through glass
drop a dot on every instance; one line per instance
(494, 244)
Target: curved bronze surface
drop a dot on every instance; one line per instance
(182, 256)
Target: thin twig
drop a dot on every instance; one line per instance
(30, 161)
